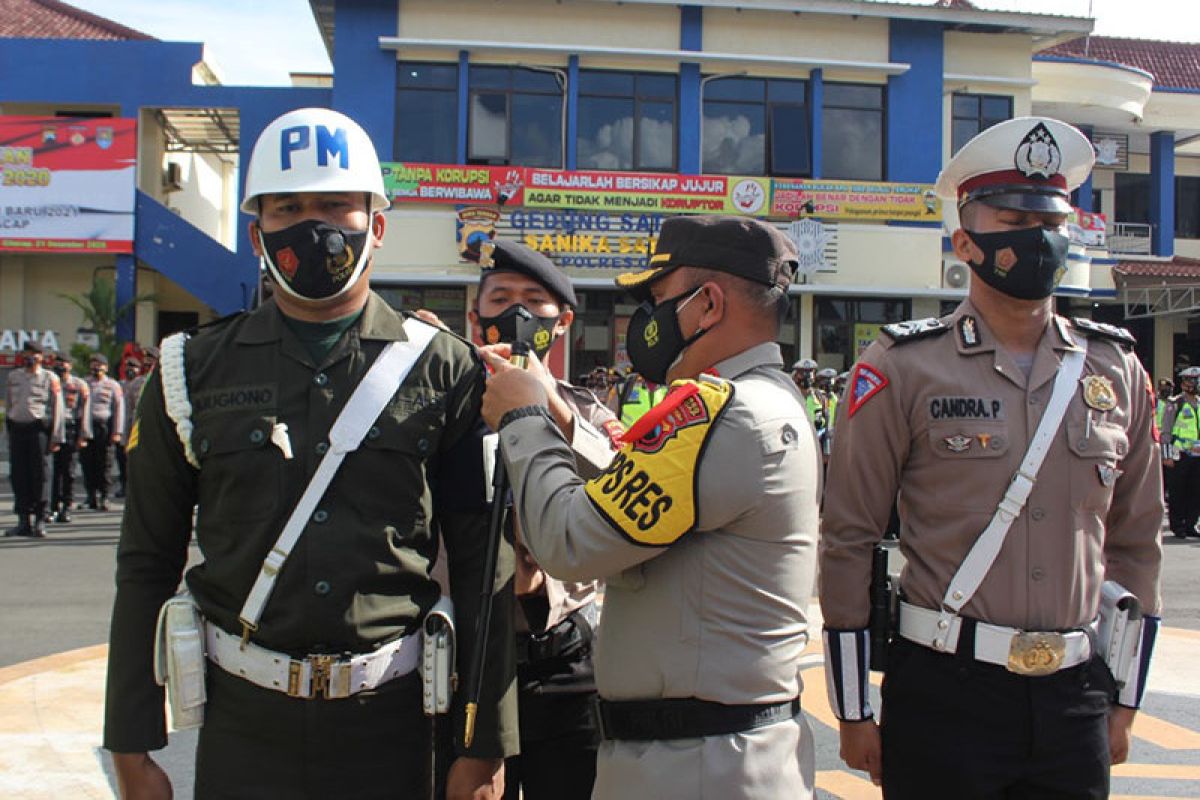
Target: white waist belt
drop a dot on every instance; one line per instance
(1022, 652)
(329, 676)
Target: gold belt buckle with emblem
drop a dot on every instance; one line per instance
(321, 677)
(1036, 654)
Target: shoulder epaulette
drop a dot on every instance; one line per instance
(915, 329)
(1090, 327)
(214, 323)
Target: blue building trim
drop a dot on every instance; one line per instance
(816, 106)
(1162, 193)
(464, 95)
(914, 101)
(691, 110)
(365, 87)
(126, 289)
(572, 112)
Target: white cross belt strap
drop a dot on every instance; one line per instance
(370, 397)
(979, 560)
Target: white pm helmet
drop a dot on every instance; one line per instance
(313, 150)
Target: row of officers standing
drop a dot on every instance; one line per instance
(54, 417)
(329, 532)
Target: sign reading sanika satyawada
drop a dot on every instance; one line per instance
(67, 184)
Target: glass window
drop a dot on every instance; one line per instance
(426, 113)
(1187, 207)
(756, 127)
(514, 117)
(853, 132)
(449, 303)
(1133, 198)
(626, 121)
(974, 113)
(844, 326)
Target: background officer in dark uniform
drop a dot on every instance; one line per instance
(265, 388)
(1180, 428)
(35, 429)
(524, 297)
(994, 687)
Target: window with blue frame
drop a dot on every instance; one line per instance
(756, 126)
(971, 114)
(626, 121)
(852, 125)
(1187, 207)
(426, 113)
(515, 116)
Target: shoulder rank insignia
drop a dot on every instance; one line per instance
(649, 491)
(1102, 329)
(915, 329)
(968, 331)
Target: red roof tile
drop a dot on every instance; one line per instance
(1173, 64)
(1177, 267)
(51, 19)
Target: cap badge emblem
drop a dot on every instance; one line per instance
(486, 259)
(1098, 393)
(958, 443)
(1038, 153)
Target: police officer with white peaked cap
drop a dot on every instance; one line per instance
(315, 691)
(993, 687)
(703, 525)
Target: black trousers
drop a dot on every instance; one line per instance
(558, 748)
(28, 448)
(957, 728)
(62, 482)
(1183, 497)
(257, 743)
(95, 460)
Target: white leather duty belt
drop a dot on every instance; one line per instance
(1030, 653)
(318, 676)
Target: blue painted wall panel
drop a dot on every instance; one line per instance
(691, 116)
(364, 86)
(914, 102)
(1162, 193)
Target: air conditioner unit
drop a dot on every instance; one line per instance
(955, 275)
(172, 177)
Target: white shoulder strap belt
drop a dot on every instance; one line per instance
(983, 553)
(362, 409)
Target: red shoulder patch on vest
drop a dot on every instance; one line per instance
(865, 383)
(615, 432)
(651, 419)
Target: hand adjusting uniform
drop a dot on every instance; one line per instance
(939, 413)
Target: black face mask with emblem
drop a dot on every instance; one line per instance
(313, 259)
(1026, 264)
(654, 340)
(518, 324)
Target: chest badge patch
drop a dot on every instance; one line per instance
(865, 383)
(984, 439)
(1108, 474)
(958, 443)
(1098, 393)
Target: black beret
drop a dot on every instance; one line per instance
(740, 246)
(499, 255)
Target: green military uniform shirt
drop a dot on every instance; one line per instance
(359, 575)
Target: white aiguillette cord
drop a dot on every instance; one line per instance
(979, 560)
(370, 397)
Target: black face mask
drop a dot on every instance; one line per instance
(518, 324)
(1025, 264)
(654, 341)
(315, 260)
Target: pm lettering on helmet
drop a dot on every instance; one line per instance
(329, 143)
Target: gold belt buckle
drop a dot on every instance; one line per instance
(1036, 654)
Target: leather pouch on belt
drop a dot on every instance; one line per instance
(438, 677)
(179, 662)
(1120, 630)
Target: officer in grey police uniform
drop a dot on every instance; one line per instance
(524, 297)
(703, 526)
(319, 695)
(77, 405)
(36, 427)
(108, 426)
(994, 686)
